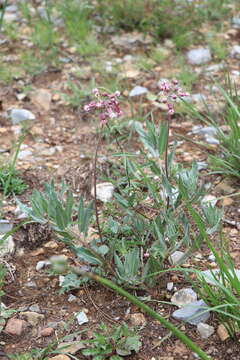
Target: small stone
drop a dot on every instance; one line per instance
(19, 115)
(22, 155)
(70, 347)
(170, 286)
(183, 297)
(35, 308)
(205, 330)
(199, 56)
(235, 51)
(61, 279)
(47, 331)
(209, 199)
(72, 298)
(222, 332)
(138, 90)
(31, 284)
(60, 357)
(51, 244)
(206, 130)
(201, 165)
(104, 191)
(175, 257)
(15, 326)
(211, 257)
(42, 98)
(32, 317)
(5, 226)
(214, 68)
(42, 264)
(138, 319)
(82, 318)
(228, 201)
(8, 246)
(236, 22)
(212, 140)
(210, 274)
(193, 313)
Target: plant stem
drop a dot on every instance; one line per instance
(178, 333)
(95, 187)
(2, 13)
(166, 156)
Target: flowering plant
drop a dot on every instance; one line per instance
(170, 93)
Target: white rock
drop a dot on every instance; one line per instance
(72, 298)
(8, 246)
(193, 313)
(22, 155)
(19, 115)
(42, 264)
(170, 286)
(214, 68)
(206, 130)
(138, 90)
(199, 56)
(5, 226)
(205, 330)
(175, 257)
(235, 51)
(10, 17)
(61, 279)
(209, 199)
(201, 165)
(104, 191)
(209, 275)
(82, 318)
(184, 297)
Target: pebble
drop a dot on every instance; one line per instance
(138, 90)
(207, 130)
(104, 191)
(15, 326)
(35, 308)
(70, 347)
(32, 317)
(22, 155)
(199, 56)
(42, 264)
(205, 330)
(42, 98)
(209, 275)
(235, 51)
(236, 22)
(19, 115)
(31, 284)
(8, 246)
(201, 165)
(183, 297)
(60, 357)
(212, 140)
(209, 199)
(192, 313)
(175, 257)
(222, 332)
(138, 319)
(5, 226)
(47, 331)
(72, 298)
(170, 286)
(82, 318)
(214, 68)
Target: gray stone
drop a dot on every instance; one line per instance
(209, 276)
(5, 226)
(22, 155)
(206, 130)
(205, 330)
(214, 68)
(201, 165)
(35, 308)
(183, 297)
(194, 313)
(170, 286)
(82, 318)
(212, 140)
(209, 199)
(236, 22)
(138, 90)
(19, 115)
(72, 298)
(175, 257)
(10, 17)
(12, 9)
(31, 284)
(199, 56)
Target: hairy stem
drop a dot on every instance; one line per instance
(95, 187)
(166, 156)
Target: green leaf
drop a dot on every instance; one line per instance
(87, 256)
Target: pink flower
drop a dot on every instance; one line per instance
(108, 104)
(171, 92)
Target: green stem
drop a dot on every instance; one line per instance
(166, 157)
(2, 13)
(178, 333)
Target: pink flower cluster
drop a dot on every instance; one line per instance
(171, 92)
(107, 104)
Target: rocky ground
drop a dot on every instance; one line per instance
(59, 144)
